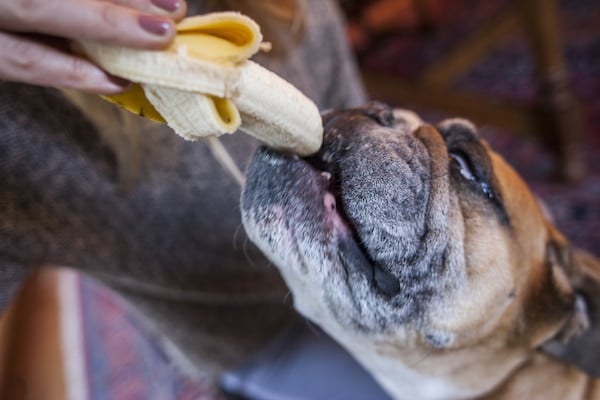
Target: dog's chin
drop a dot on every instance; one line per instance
(290, 211)
(346, 226)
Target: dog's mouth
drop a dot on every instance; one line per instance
(353, 252)
(356, 215)
(333, 164)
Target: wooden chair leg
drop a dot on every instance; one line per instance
(562, 124)
(556, 121)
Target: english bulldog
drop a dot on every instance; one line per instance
(425, 255)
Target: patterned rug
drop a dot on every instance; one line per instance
(124, 362)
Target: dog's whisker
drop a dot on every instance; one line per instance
(313, 328)
(236, 235)
(286, 296)
(247, 254)
(423, 358)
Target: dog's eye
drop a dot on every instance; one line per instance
(464, 164)
(469, 172)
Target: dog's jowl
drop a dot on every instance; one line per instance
(425, 255)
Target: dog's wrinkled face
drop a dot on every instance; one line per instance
(399, 235)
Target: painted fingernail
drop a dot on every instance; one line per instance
(155, 25)
(167, 5)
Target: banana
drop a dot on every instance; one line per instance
(275, 112)
(134, 100)
(192, 115)
(204, 85)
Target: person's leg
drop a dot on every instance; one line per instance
(12, 276)
(31, 355)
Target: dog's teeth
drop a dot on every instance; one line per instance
(326, 175)
(327, 157)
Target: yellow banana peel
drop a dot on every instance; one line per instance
(204, 84)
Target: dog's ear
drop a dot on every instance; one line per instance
(583, 278)
(573, 344)
(586, 273)
(581, 267)
(551, 302)
(582, 271)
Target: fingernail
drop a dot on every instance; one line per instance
(155, 25)
(167, 5)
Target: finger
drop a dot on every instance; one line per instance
(175, 9)
(101, 21)
(25, 60)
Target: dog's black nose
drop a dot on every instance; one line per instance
(376, 111)
(382, 113)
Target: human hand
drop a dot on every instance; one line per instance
(36, 35)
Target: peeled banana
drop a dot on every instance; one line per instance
(204, 84)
